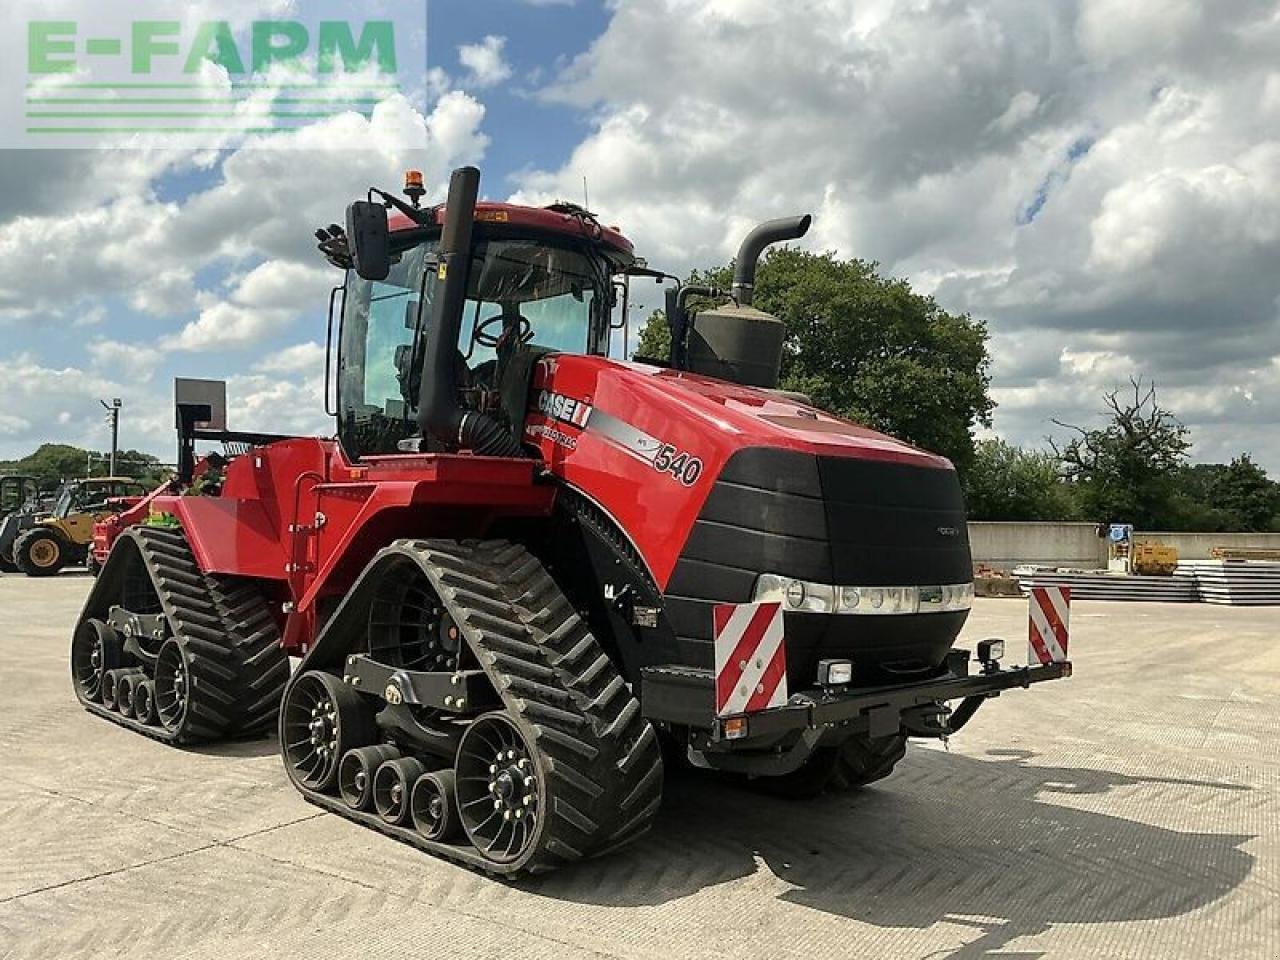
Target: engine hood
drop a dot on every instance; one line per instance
(766, 418)
(648, 444)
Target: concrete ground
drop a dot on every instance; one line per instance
(1130, 812)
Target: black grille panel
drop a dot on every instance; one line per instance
(829, 520)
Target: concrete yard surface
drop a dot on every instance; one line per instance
(1129, 812)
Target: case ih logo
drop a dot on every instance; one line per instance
(110, 71)
(565, 409)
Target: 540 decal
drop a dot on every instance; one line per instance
(684, 467)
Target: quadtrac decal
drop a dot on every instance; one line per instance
(664, 457)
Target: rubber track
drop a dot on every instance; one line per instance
(237, 666)
(551, 674)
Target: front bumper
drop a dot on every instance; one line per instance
(684, 697)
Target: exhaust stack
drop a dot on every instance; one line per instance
(757, 241)
(441, 416)
(737, 342)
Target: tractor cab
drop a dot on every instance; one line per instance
(17, 492)
(538, 281)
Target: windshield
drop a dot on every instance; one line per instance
(524, 295)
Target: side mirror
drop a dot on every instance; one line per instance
(370, 240)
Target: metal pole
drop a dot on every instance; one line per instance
(113, 411)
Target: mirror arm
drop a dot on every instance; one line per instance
(423, 218)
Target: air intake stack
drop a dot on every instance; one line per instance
(737, 342)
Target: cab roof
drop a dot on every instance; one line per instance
(571, 220)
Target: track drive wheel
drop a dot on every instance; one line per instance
(95, 649)
(40, 553)
(502, 790)
(323, 719)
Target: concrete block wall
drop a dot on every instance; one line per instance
(1006, 545)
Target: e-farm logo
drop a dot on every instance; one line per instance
(104, 79)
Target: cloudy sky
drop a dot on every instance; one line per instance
(1097, 179)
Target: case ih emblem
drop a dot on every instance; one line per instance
(565, 409)
(1050, 615)
(751, 660)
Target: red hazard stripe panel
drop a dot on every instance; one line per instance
(1050, 609)
(751, 659)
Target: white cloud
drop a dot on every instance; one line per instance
(486, 61)
(1098, 179)
(134, 361)
(308, 358)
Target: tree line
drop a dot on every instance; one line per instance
(873, 350)
(52, 463)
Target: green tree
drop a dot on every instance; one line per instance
(869, 348)
(1127, 470)
(1009, 483)
(52, 463)
(1248, 497)
(655, 338)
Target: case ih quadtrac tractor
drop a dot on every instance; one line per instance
(523, 565)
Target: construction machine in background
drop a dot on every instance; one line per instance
(41, 544)
(18, 494)
(523, 563)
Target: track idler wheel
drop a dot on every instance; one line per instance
(392, 786)
(501, 792)
(323, 719)
(144, 701)
(95, 650)
(172, 686)
(113, 683)
(434, 806)
(355, 774)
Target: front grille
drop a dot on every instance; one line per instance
(828, 520)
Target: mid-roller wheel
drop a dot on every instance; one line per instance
(500, 789)
(126, 691)
(95, 649)
(322, 719)
(112, 682)
(392, 785)
(434, 806)
(355, 774)
(144, 701)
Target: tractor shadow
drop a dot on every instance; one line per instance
(242, 749)
(982, 843)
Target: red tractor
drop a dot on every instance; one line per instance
(523, 567)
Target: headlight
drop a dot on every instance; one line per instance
(803, 596)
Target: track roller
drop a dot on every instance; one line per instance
(434, 806)
(144, 701)
(392, 785)
(355, 774)
(323, 719)
(111, 683)
(95, 649)
(126, 689)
